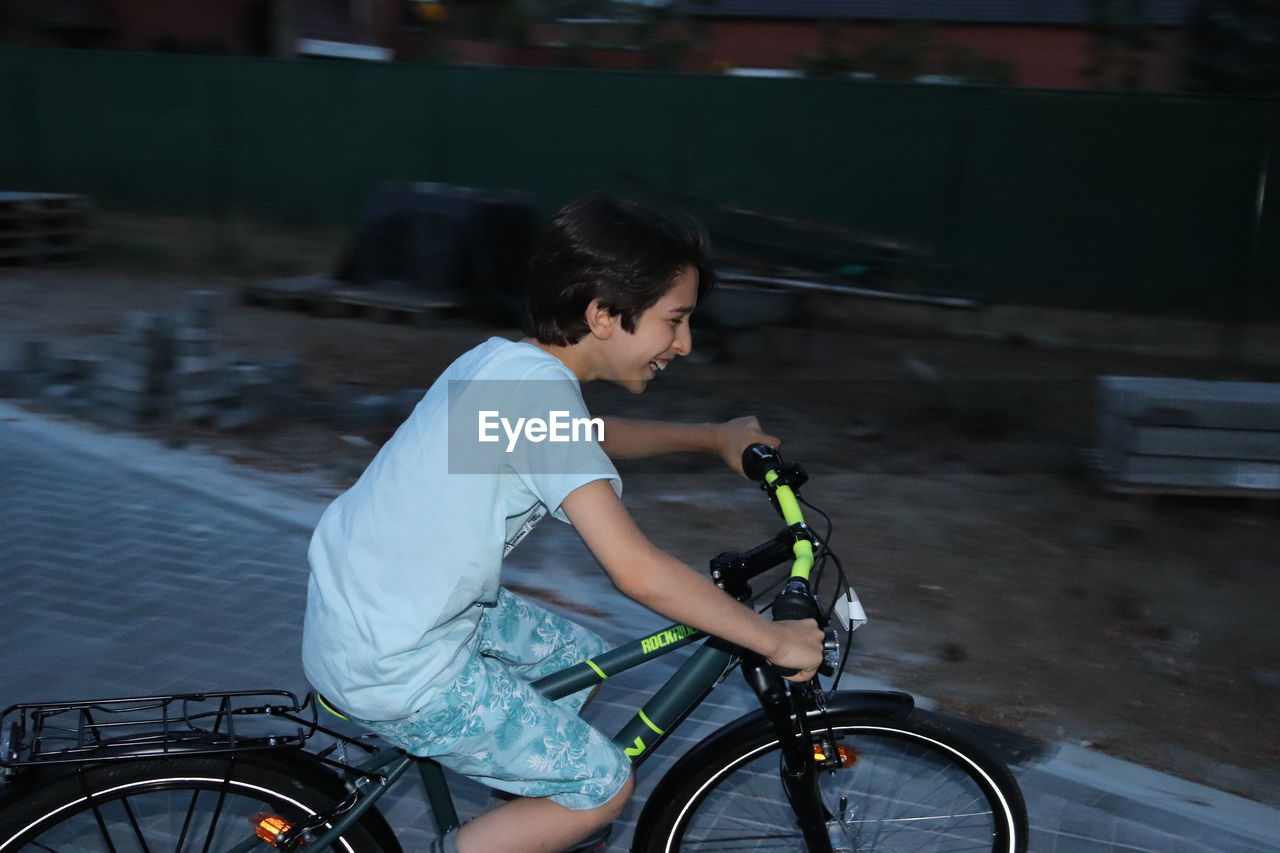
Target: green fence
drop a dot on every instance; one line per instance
(1155, 203)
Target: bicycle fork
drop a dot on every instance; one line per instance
(799, 770)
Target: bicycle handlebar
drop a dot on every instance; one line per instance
(762, 463)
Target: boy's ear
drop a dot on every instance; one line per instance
(602, 324)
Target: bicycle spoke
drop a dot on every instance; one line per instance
(728, 838)
(137, 830)
(915, 779)
(102, 823)
(186, 822)
(932, 817)
(47, 848)
(213, 822)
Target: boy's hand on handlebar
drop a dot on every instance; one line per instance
(733, 437)
(799, 648)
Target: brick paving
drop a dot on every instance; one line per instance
(129, 569)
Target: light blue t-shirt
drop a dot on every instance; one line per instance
(402, 561)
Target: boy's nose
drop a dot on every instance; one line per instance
(684, 340)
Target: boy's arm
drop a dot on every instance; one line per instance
(625, 438)
(662, 583)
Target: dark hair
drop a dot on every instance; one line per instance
(622, 253)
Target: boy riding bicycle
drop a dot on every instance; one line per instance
(407, 628)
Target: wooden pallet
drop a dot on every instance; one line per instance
(324, 296)
(43, 228)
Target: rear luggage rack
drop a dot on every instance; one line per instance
(153, 726)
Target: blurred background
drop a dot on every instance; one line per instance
(263, 227)
(1106, 154)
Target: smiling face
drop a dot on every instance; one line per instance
(662, 333)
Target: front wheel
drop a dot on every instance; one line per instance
(911, 783)
(177, 805)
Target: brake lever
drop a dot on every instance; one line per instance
(830, 656)
(830, 653)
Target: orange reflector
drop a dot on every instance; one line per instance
(269, 827)
(844, 754)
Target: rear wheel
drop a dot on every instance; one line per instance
(908, 784)
(176, 805)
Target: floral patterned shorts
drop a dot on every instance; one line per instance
(491, 725)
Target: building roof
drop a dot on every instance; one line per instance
(1164, 13)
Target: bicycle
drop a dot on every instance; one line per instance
(824, 771)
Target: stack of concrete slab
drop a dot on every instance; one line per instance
(170, 367)
(132, 381)
(203, 380)
(1185, 436)
(162, 368)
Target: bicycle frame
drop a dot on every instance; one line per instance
(647, 728)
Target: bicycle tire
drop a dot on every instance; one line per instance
(191, 804)
(915, 783)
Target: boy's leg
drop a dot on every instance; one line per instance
(491, 725)
(538, 825)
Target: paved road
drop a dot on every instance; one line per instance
(130, 569)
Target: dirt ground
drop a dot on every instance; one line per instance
(1000, 579)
